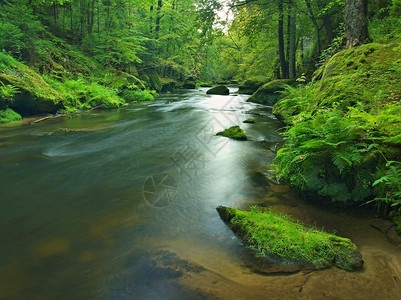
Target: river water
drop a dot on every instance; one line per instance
(120, 204)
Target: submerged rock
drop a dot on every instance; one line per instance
(219, 90)
(278, 238)
(268, 93)
(250, 121)
(234, 132)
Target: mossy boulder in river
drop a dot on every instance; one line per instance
(189, 85)
(234, 132)
(34, 94)
(268, 93)
(249, 121)
(277, 237)
(251, 85)
(219, 90)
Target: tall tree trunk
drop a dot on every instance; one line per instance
(158, 18)
(281, 46)
(151, 19)
(91, 16)
(293, 37)
(327, 23)
(315, 25)
(356, 24)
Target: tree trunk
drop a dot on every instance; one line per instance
(356, 24)
(292, 37)
(158, 18)
(281, 46)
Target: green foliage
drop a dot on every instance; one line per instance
(7, 93)
(388, 187)
(396, 8)
(79, 94)
(8, 115)
(326, 154)
(278, 236)
(137, 96)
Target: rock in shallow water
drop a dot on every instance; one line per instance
(218, 90)
(278, 238)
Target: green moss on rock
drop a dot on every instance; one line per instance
(189, 85)
(369, 74)
(277, 236)
(250, 121)
(251, 85)
(234, 132)
(218, 90)
(269, 93)
(35, 95)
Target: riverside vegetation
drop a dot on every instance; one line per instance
(332, 70)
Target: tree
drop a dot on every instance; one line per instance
(356, 24)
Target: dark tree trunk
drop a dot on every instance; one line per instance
(356, 24)
(281, 46)
(158, 18)
(292, 41)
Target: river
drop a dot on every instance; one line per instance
(120, 204)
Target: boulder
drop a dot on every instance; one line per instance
(269, 93)
(251, 85)
(189, 85)
(34, 95)
(234, 132)
(278, 238)
(250, 121)
(218, 90)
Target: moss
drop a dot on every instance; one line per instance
(359, 75)
(268, 94)
(137, 96)
(234, 132)
(218, 90)
(35, 95)
(251, 85)
(154, 80)
(189, 85)
(250, 121)
(277, 236)
(8, 115)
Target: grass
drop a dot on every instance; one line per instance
(278, 236)
(234, 132)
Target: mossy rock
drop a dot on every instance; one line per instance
(189, 85)
(154, 80)
(249, 121)
(168, 85)
(35, 95)
(251, 85)
(219, 90)
(277, 237)
(368, 74)
(268, 93)
(234, 132)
